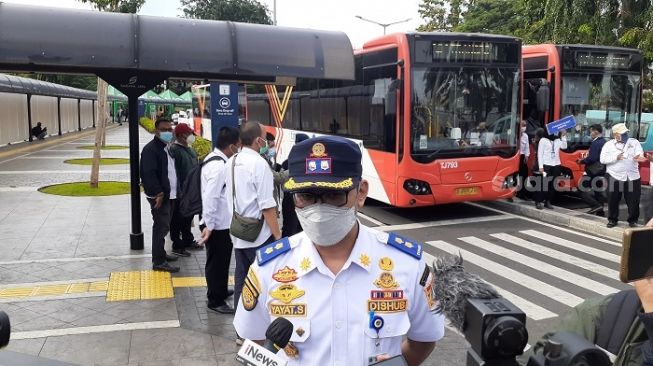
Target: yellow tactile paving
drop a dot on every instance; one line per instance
(156, 285)
(121, 286)
(188, 282)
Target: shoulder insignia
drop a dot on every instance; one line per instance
(412, 248)
(251, 290)
(271, 251)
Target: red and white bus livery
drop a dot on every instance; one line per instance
(435, 114)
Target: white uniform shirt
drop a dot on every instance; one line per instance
(548, 152)
(215, 211)
(524, 146)
(254, 192)
(172, 174)
(330, 312)
(626, 169)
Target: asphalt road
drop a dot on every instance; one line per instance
(543, 269)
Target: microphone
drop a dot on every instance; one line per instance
(277, 336)
(452, 286)
(494, 327)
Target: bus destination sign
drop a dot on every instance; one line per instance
(602, 60)
(474, 51)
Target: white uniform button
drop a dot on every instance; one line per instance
(338, 324)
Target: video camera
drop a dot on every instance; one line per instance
(496, 331)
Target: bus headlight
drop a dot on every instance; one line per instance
(417, 187)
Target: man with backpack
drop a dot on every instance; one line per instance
(185, 159)
(217, 219)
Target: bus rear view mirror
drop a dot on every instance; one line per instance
(543, 94)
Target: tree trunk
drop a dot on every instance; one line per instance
(99, 130)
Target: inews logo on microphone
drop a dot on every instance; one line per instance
(252, 354)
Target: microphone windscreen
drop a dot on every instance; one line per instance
(452, 286)
(279, 332)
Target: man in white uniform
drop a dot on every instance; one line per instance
(352, 293)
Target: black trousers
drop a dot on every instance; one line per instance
(631, 190)
(244, 259)
(218, 258)
(160, 228)
(523, 175)
(546, 184)
(593, 190)
(180, 233)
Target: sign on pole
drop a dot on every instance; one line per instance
(562, 124)
(224, 107)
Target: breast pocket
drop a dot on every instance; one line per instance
(388, 340)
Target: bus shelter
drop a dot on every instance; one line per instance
(134, 53)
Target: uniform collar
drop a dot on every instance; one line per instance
(309, 258)
(219, 153)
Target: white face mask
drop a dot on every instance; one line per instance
(326, 225)
(523, 129)
(190, 139)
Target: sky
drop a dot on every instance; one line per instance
(336, 15)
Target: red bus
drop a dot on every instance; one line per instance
(596, 84)
(435, 114)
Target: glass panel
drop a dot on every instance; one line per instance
(604, 99)
(464, 112)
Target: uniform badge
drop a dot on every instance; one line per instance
(386, 281)
(427, 282)
(411, 248)
(291, 350)
(386, 264)
(285, 275)
(287, 310)
(364, 260)
(387, 306)
(318, 162)
(286, 293)
(272, 251)
(300, 331)
(305, 264)
(251, 291)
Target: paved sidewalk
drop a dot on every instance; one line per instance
(60, 257)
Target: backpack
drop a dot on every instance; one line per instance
(619, 316)
(190, 203)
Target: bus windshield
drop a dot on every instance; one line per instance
(599, 98)
(464, 111)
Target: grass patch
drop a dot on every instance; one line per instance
(83, 189)
(103, 161)
(108, 147)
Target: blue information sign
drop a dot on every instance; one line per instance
(562, 124)
(224, 107)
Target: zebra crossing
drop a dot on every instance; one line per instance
(543, 272)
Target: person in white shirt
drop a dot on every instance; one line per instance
(216, 220)
(352, 293)
(622, 156)
(254, 192)
(524, 154)
(548, 158)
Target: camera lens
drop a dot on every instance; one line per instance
(5, 328)
(506, 336)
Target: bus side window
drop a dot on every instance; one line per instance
(382, 100)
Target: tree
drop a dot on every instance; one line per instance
(244, 11)
(116, 6)
(441, 15)
(495, 17)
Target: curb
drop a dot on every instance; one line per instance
(560, 217)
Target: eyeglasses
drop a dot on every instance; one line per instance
(333, 198)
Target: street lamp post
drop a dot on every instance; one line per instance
(384, 25)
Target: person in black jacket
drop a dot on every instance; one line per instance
(154, 178)
(291, 225)
(592, 184)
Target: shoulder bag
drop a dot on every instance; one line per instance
(242, 227)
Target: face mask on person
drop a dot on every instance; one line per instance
(234, 149)
(523, 129)
(326, 225)
(624, 137)
(263, 149)
(165, 136)
(272, 153)
(190, 139)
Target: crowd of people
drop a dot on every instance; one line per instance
(611, 171)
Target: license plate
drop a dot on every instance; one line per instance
(467, 191)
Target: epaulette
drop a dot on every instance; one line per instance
(407, 246)
(273, 250)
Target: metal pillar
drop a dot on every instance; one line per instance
(59, 114)
(29, 116)
(79, 114)
(136, 237)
